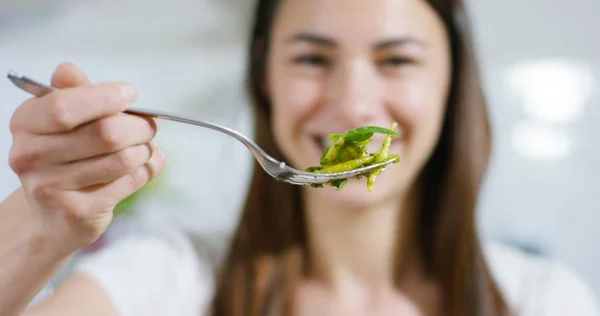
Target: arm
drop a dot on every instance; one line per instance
(76, 158)
(27, 257)
(78, 295)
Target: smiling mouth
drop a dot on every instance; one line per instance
(322, 142)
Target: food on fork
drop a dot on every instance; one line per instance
(349, 151)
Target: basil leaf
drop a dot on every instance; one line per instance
(338, 185)
(359, 136)
(364, 133)
(335, 137)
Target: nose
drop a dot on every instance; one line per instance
(354, 92)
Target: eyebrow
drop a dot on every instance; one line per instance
(399, 41)
(313, 38)
(322, 40)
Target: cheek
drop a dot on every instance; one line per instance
(293, 101)
(419, 106)
(411, 104)
(420, 97)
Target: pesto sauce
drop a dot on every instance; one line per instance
(349, 152)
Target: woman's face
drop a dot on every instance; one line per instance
(335, 65)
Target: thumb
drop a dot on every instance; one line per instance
(67, 75)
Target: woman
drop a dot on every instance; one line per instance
(316, 67)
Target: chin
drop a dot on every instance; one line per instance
(355, 195)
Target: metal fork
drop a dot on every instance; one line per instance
(276, 169)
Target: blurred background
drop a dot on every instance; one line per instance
(540, 61)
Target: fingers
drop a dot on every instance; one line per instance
(114, 192)
(67, 75)
(105, 136)
(107, 188)
(77, 155)
(103, 169)
(100, 137)
(64, 110)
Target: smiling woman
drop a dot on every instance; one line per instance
(324, 67)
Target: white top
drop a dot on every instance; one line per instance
(160, 273)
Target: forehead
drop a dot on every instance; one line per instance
(354, 20)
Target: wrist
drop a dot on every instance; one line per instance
(25, 228)
(29, 257)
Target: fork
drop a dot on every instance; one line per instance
(276, 169)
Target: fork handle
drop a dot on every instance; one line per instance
(38, 89)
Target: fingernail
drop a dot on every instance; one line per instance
(128, 92)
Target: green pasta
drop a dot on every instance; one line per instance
(349, 152)
(383, 155)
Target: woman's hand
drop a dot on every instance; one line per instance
(77, 156)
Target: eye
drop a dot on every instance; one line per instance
(395, 61)
(312, 60)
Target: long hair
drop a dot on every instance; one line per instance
(268, 253)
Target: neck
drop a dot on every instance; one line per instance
(353, 247)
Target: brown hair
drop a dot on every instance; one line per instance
(268, 253)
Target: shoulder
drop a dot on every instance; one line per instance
(157, 271)
(533, 285)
